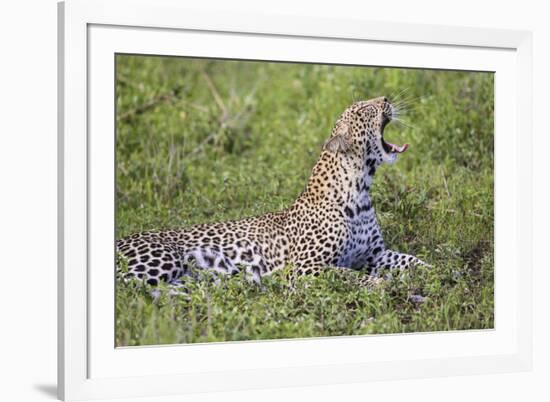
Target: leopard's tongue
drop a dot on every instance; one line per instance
(397, 148)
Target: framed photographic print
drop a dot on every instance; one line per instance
(249, 203)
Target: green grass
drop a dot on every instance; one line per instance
(204, 141)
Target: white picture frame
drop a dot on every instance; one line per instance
(91, 32)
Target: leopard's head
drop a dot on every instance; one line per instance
(360, 132)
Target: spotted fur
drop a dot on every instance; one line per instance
(331, 224)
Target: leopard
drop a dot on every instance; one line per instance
(331, 225)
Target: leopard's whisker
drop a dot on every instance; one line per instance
(405, 106)
(406, 102)
(398, 111)
(399, 94)
(401, 122)
(401, 109)
(406, 97)
(410, 99)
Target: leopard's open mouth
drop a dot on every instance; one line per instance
(390, 148)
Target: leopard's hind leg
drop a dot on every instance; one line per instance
(150, 261)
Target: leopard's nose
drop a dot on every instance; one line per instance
(382, 99)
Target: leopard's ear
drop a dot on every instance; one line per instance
(340, 140)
